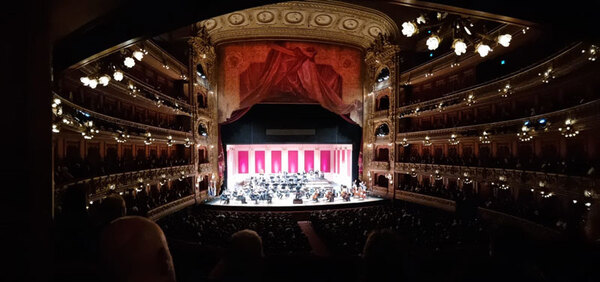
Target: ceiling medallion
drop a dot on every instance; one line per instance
(350, 24)
(265, 17)
(374, 31)
(236, 18)
(210, 24)
(323, 20)
(294, 17)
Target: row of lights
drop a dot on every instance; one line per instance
(90, 130)
(117, 75)
(502, 184)
(459, 45)
(524, 135)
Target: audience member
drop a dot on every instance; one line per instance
(135, 249)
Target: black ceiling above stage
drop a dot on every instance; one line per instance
(290, 124)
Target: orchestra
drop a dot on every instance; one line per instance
(308, 185)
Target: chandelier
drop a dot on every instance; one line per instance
(568, 131)
(547, 75)
(593, 52)
(485, 138)
(524, 135)
(188, 143)
(121, 137)
(506, 91)
(470, 99)
(89, 131)
(426, 142)
(463, 32)
(404, 142)
(453, 140)
(438, 176)
(149, 139)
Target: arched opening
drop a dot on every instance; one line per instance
(202, 130)
(383, 75)
(382, 130)
(383, 103)
(382, 181)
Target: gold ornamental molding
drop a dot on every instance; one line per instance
(328, 21)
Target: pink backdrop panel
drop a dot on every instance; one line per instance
(259, 162)
(349, 158)
(337, 162)
(292, 161)
(275, 161)
(325, 157)
(243, 162)
(309, 160)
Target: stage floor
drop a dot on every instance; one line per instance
(287, 203)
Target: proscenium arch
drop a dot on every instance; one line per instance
(317, 21)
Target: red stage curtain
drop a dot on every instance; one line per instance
(293, 71)
(325, 161)
(275, 161)
(292, 161)
(259, 162)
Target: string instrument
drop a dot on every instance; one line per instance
(329, 196)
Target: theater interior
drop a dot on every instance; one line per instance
(318, 140)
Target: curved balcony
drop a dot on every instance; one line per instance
(485, 213)
(185, 108)
(100, 186)
(159, 212)
(585, 113)
(378, 165)
(558, 183)
(121, 122)
(563, 63)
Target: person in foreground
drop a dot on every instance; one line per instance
(383, 256)
(243, 260)
(134, 248)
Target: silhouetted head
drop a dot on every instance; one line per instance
(246, 244)
(383, 253)
(135, 249)
(112, 208)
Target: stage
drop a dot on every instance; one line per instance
(287, 204)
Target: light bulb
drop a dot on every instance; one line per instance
(409, 29)
(433, 42)
(483, 49)
(118, 75)
(85, 80)
(504, 40)
(93, 83)
(104, 80)
(138, 55)
(129, 62)
(460, 47)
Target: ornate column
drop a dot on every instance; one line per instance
(382, 54)
(203, 53)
